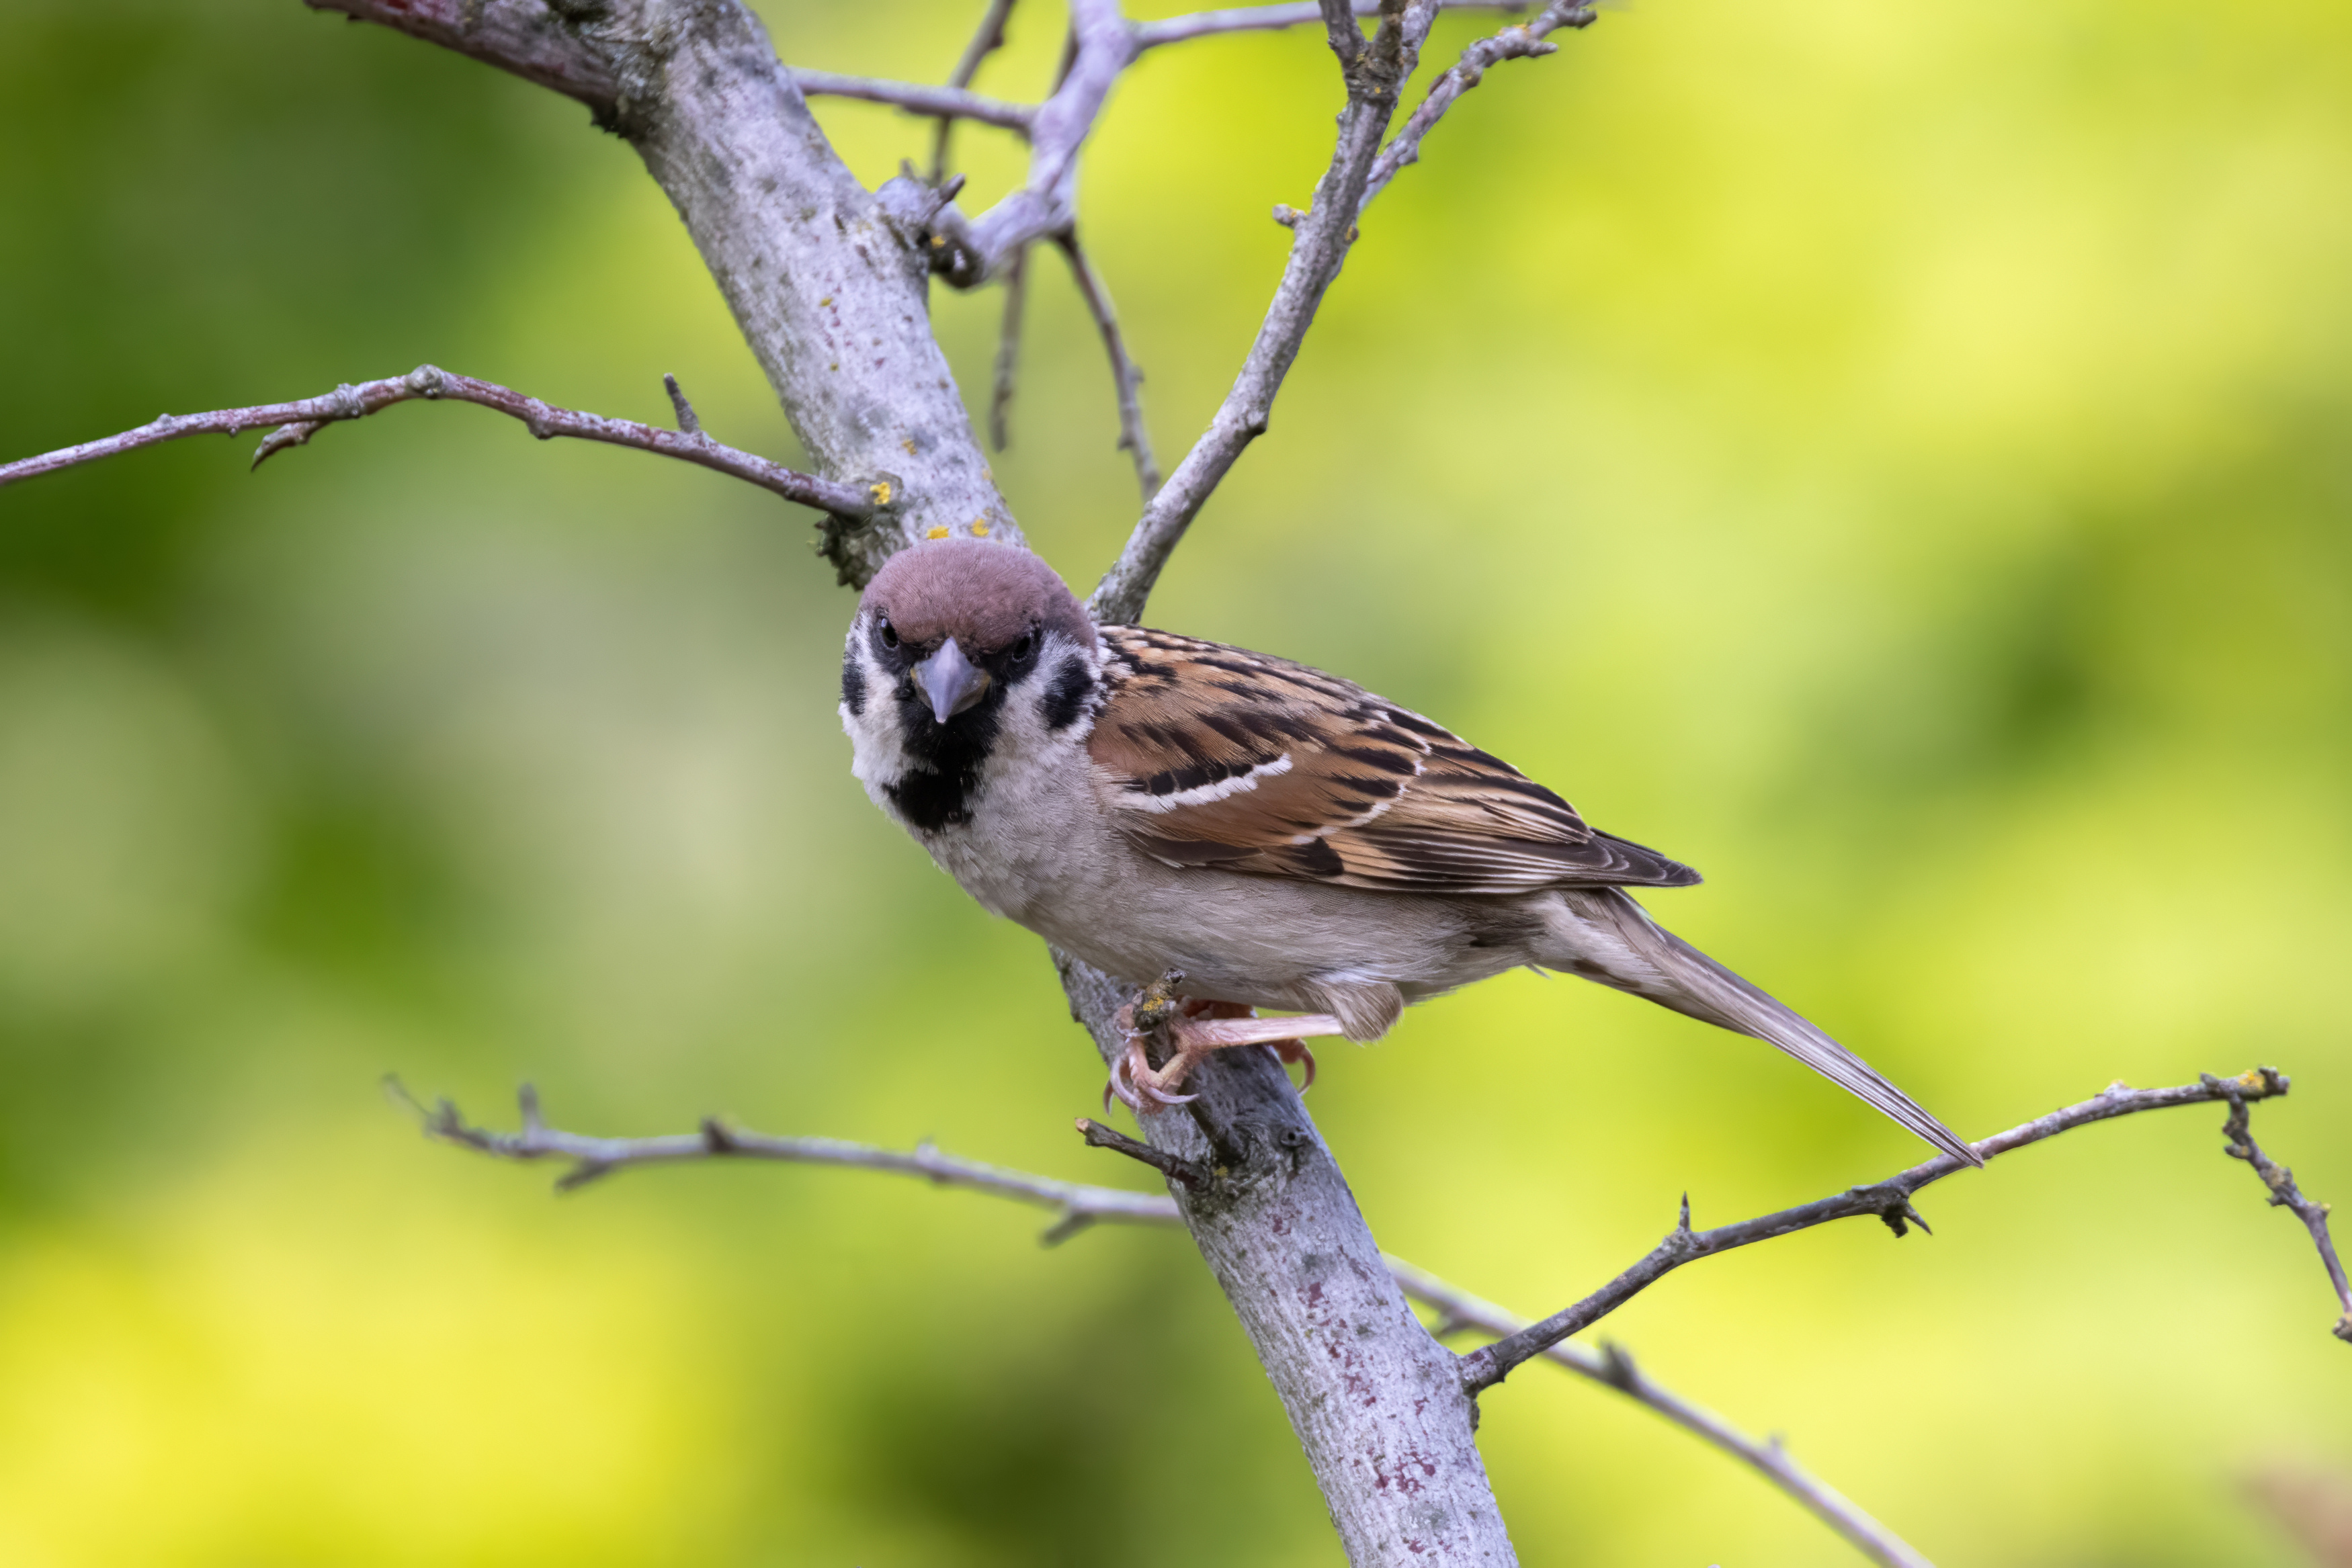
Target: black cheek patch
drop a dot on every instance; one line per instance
(1066, 698)
(853, 684)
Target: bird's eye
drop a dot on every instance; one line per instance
(890, 633)
(1019, 653)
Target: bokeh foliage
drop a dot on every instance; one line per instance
(1894, 458)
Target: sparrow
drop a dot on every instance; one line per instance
(1231, 830)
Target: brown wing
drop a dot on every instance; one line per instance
(1214, 755)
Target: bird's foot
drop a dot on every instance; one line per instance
(1295, 1050)
(1195, 1029)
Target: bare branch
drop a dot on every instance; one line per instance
(1175, 1167)
(1102, 46)
(825, 278)
(1133, 438)
(1340, 28)
(1008, 351)
(944, 103)
(1268, 19)
(1458, 1309)
(296, 422)
(1079, 1205)
(594, 1157)
(1889, 1200)
(2284, 1193)
(986, 39)
(1519, 42)
(527, 37)
(1318, 248)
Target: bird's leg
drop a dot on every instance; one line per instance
(1195, 1029)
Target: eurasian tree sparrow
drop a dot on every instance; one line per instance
(1282, 837)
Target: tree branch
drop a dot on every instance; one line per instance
(943, 103)
(825, 278)
(1458, 1309)
(2284, 1193)
(1102, 45)
(1318, 249)
(986, 39)
(1269, 18)
(526, 37)
(1391, 1440)
(1889, 1200)
(296, 422)
(1079, 1206)
(1523, 41)
(1006, 369)
(827, 283)
(1125, 375)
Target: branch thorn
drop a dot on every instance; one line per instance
(686, 420)
(1175, 1167)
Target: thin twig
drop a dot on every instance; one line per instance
(1458, 1311)
(1268, 19)
(1318, 248)
(1079, 1205)
(986, 39)
(1175, 1167)
(594, 1157)
(1133, 438)
(943, 103)
(2284, 1193)
(1008, 351)
(295, 422)
(1889, 1200)
(1523, 41)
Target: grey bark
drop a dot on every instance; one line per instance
(826, 281)
(1377, 1404)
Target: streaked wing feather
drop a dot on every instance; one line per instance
(1214, 755)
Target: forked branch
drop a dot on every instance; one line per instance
(1079, 1206)
(1361, 168)
(1458, 1312)
(1516, 43)
(293, 424)
(1890, 1201)
(1318, 248)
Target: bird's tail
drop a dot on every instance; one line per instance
(1615, 942)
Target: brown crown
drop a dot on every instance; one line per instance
(983, 595)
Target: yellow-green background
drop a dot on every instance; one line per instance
(1893, 456)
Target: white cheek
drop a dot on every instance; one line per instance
(876, 754)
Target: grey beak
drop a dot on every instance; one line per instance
(950, 681)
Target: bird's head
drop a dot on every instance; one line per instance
(946, 626)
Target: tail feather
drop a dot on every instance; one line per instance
(1671, 972)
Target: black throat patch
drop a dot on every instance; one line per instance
(943, 760)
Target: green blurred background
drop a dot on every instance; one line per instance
(1894, 458)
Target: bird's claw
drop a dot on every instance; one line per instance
(1195, 1028)
(1289, 1051)
(1137, 1085)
